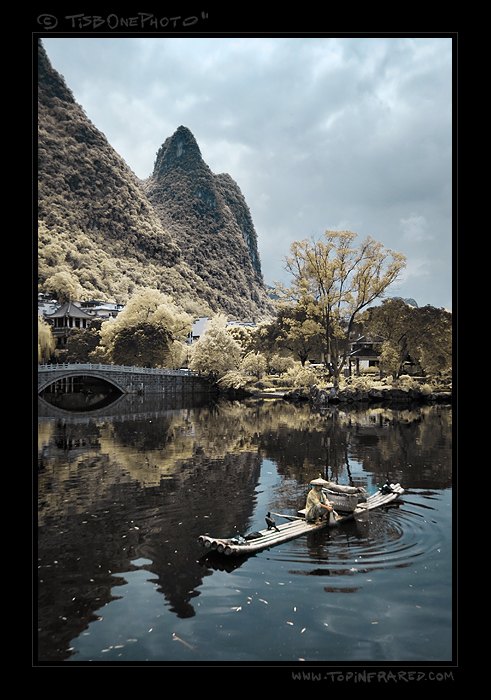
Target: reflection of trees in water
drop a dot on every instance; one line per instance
(406, 444)
(304, 443)
(176, 444)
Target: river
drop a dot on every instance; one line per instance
(124, 492)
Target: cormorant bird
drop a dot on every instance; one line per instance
(271, 523)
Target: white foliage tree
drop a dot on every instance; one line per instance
(216, 351)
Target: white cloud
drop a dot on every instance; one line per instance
(415, 229)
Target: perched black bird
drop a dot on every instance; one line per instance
(271, 523)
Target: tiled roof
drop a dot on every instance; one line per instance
(69, 309)
(368, 339)
(364, 353)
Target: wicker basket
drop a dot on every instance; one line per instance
(346, 502)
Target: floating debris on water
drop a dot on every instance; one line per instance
(178, 639)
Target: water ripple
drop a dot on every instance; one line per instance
(389, 538)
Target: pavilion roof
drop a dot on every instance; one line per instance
(364, 353)
(368, 339)
(69, 309)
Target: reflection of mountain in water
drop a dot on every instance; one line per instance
(112, 492)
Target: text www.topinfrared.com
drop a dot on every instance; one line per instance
(372, 676)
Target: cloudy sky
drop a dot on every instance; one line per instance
(319, 133)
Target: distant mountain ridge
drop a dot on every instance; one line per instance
(184, 230)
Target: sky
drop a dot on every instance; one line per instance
(320, 133)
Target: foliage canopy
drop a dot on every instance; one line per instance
(424, 335)
(145, 332)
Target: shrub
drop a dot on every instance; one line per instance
(233, 380)
(299, 376)
(406, 382)
(254, 363)
(278, 364)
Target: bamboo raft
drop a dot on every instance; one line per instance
(298, 526)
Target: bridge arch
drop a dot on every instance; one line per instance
(107, 377)
(128, 380)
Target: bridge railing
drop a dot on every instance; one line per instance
(116, 368)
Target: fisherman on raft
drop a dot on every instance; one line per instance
(317, 506)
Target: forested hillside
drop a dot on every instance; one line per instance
(100, 237)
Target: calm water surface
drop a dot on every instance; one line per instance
(125, 491)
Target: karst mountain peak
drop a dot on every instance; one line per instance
(207, 215)
(180, 150)
(108, 234)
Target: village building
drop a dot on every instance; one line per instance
(46, 305)
(74, 314)
(101, 309)
(200, 324)
(199, 327)
(365, 352)
(65, 319)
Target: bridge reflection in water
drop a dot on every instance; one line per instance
(114, 406)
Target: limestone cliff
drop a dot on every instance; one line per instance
(208, 217)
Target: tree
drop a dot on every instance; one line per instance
(341, 280)
(152, 318)
(254, 363)
(178, 354)
(144, 345)
(46, 342)
(82, 342)
(423, 334)
(64, 286)
(301, 328)
(389, 359)
(242, 336)
(216, 351)
(266, 339)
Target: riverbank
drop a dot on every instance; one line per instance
(322, 397)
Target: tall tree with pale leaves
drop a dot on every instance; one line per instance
(342, 280)
(216, 351)
(46, 342)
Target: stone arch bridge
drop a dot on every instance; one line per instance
(128, 380)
